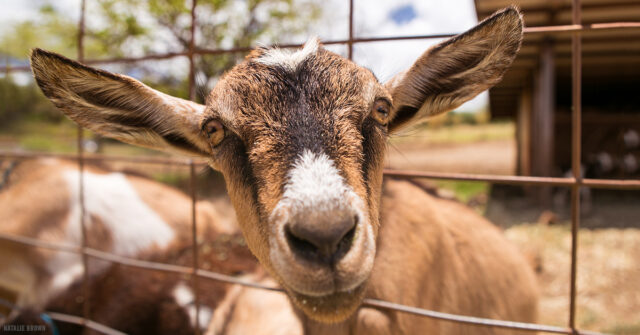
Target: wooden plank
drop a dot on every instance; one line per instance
(601, 117)
(542, 121)
(486, 7)
(523, 132)
(612, 45)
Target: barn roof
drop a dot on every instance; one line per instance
(610, 58)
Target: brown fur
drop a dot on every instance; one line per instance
(140, 301)
(133, 300)
(448, 264)
(443, 266)
(39, 184)
(274, 107)
(70, 88)
(447, 75)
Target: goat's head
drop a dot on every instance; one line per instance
(300, 138)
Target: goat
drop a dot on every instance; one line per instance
(133, 300)
(300, 138)
(42, 201)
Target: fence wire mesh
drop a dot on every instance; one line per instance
(576, 182)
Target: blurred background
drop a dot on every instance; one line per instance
(520, 127)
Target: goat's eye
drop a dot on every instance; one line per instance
(215, 131)
(380, 111)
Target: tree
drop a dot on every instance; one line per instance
(122, 28)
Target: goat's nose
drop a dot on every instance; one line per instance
(322, 239)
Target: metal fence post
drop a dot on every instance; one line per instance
(86, 292)
(576, 153)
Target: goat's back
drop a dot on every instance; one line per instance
(439, 254)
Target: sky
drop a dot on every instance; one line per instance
(373, 18)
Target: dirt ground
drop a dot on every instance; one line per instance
(608, 282)
(486, 157)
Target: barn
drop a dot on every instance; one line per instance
(536, 91)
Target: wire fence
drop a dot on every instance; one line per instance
(575, 182)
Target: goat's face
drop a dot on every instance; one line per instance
(300, 138)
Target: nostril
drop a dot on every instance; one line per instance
(302, 247)
(345, 243)
(323, 241)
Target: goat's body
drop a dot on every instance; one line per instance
(440, 255)
(126, 215)
(40, 202)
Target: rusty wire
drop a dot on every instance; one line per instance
(86, 291)
(619, 184)
(576, 154)
(192, 171)
(99, 327)
(575, 182)
(579, 28)
(194, 242)
(204, 274)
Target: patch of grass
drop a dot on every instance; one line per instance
(587, 317)
(64, 128)
(464, 190)
(177, 180)
(37, 142)
(46, 136)
(607, 274)
(624, 329)
(37, 135)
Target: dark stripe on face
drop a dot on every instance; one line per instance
(307, 124)
(311, 121)
(233, 153)
(305, 132)
(373, 146)
(367, 152)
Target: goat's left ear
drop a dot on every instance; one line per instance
(456, 70)
(118, 106)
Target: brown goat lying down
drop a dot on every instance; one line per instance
(38, 201)
(140, 301)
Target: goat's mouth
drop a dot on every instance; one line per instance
(329, 308)
(326, 290)
(308, 270)
(323, 258)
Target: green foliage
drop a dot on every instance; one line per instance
(465, 190)
(120, 25)
(481, 116)
(23, 102)
(49, 30)
(220, 24)
(121, 28)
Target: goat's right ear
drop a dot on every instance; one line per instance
(456, 70)
(118, 106)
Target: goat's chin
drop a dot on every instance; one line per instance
(331, 308)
